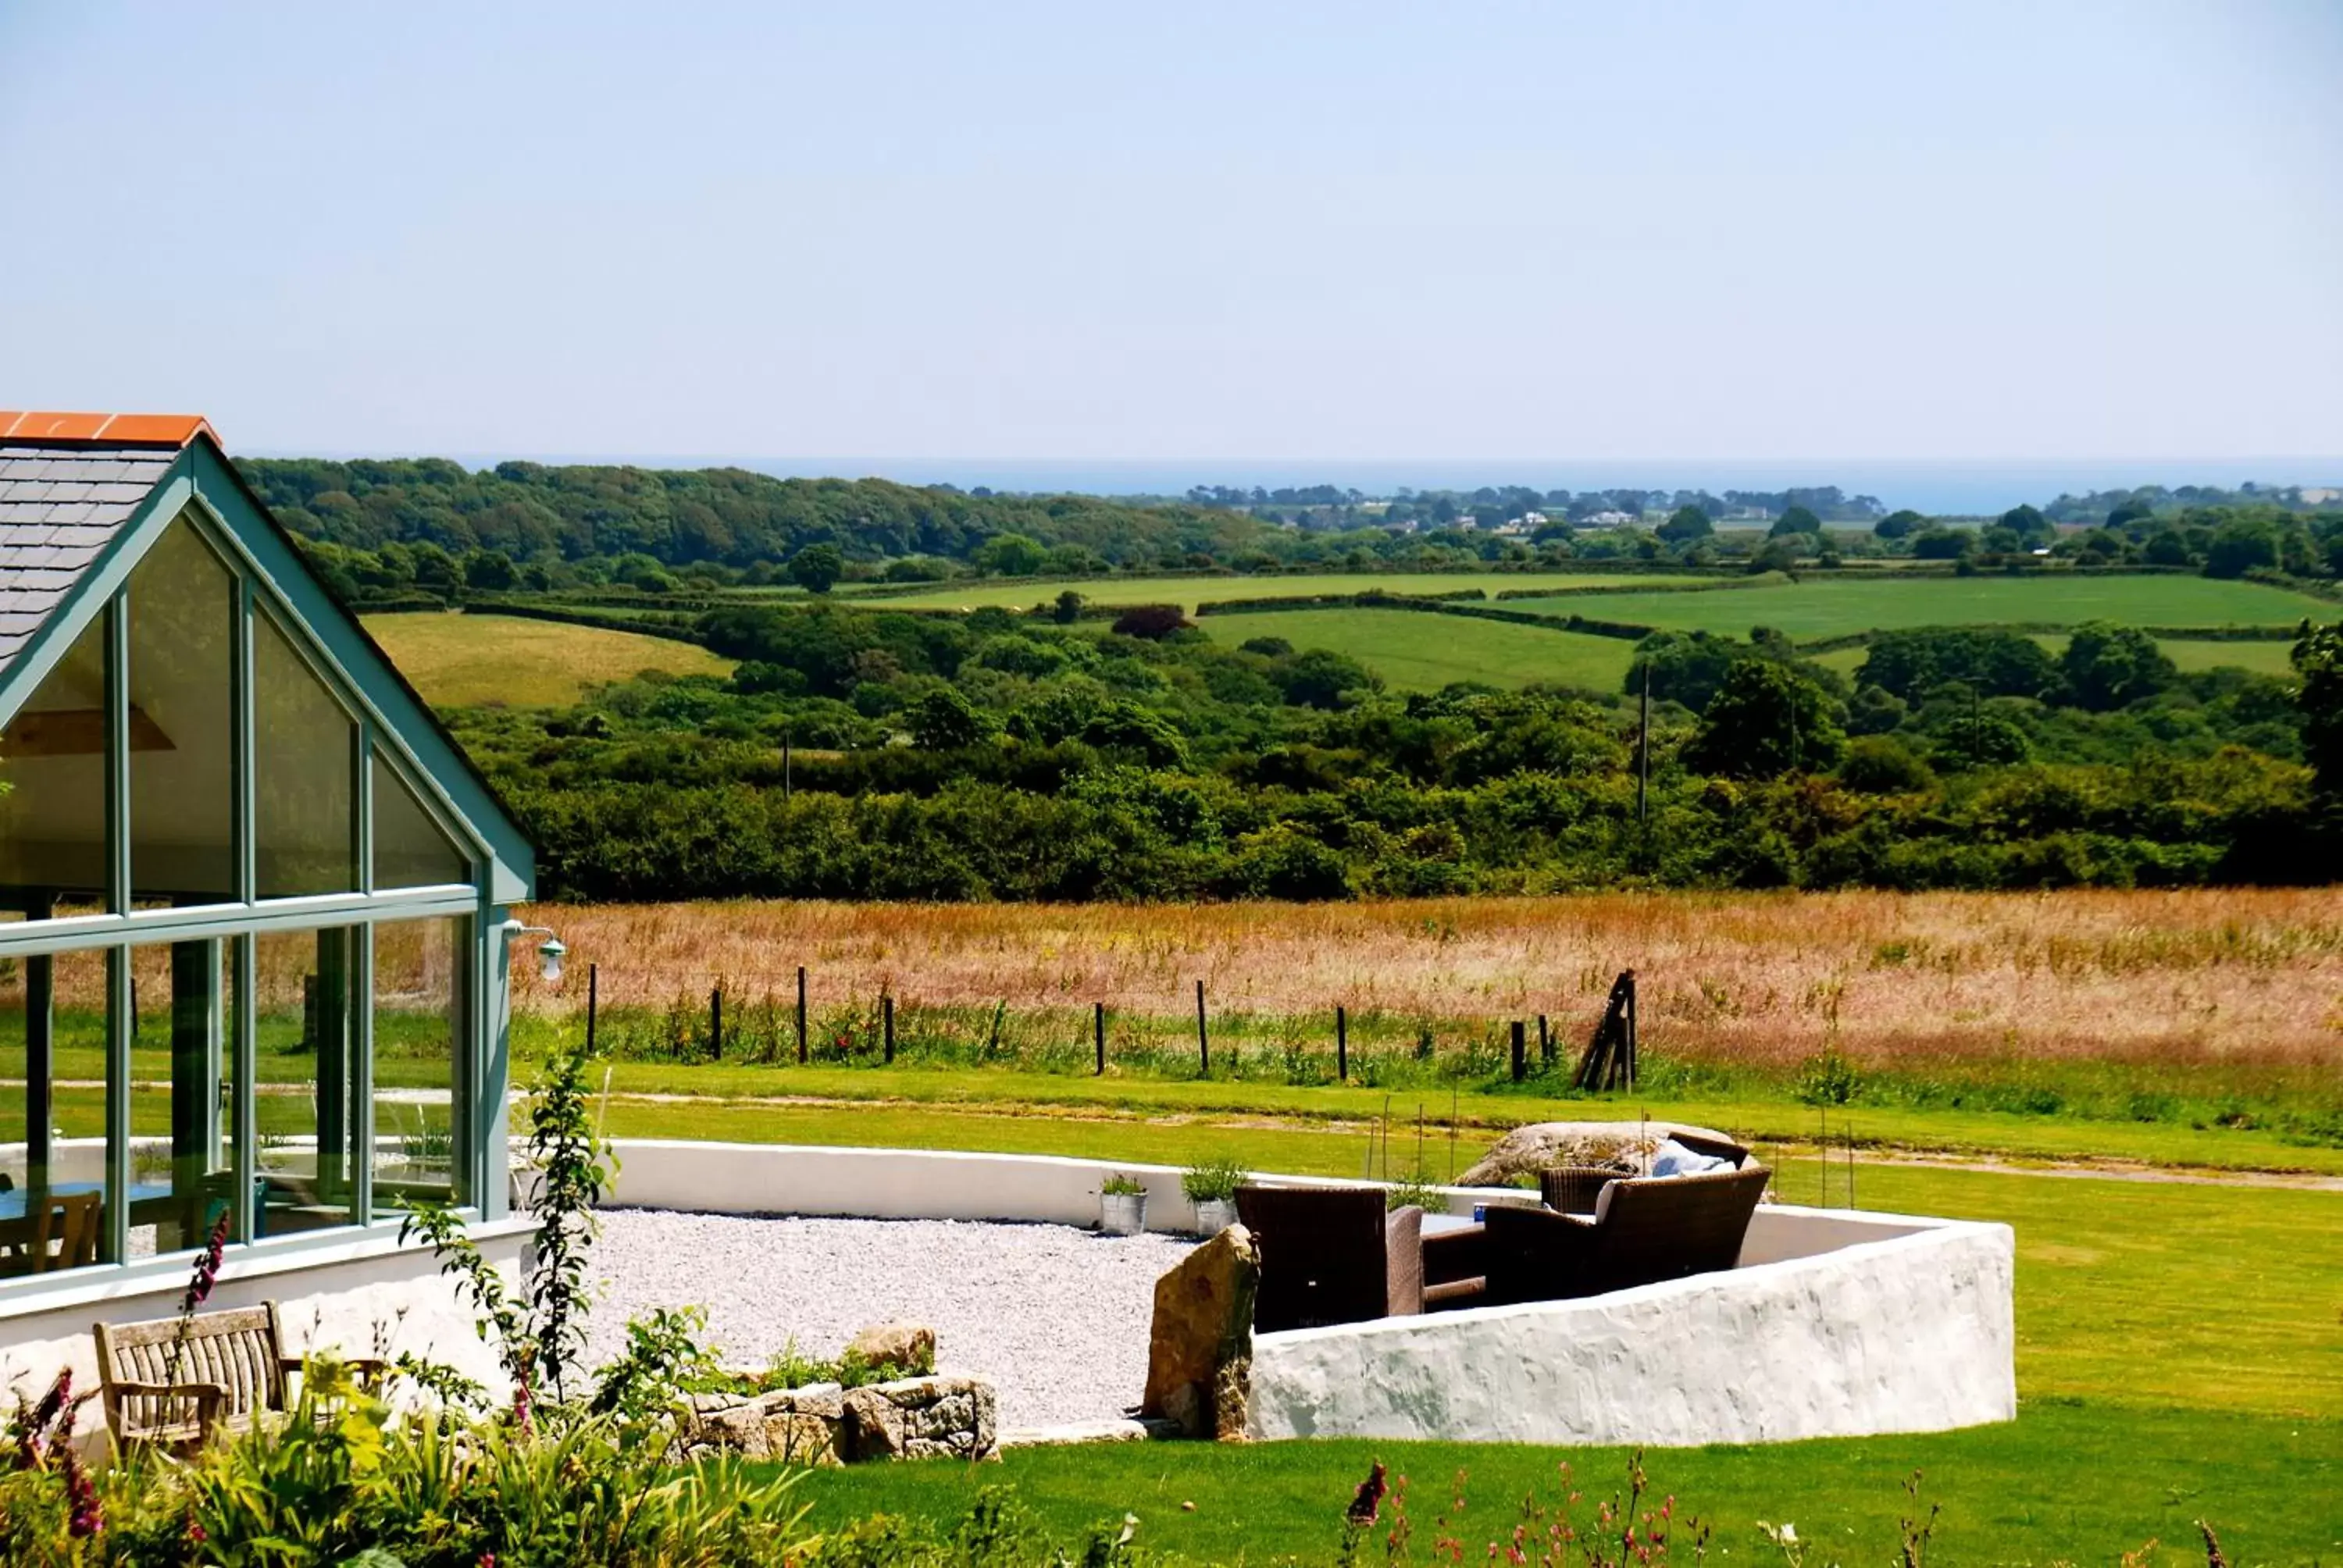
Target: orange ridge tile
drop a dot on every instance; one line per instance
(129, 429)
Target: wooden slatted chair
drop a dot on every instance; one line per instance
(232, 1370)
(68, 1223)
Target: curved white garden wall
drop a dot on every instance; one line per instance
(1838, 1322)
(1909, 1334)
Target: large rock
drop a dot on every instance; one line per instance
(1542, 1145)
(907, 1345)
(1199, 1349)
(922, 1418)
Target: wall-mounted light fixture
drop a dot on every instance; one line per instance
(549, 953)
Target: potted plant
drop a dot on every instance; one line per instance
(1123, 1205)
(1212, 1186)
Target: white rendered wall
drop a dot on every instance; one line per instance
(1838, 1322)
(910, 1183)
(364, 1296)
(1911, 1332)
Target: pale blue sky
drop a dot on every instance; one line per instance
(1619, 234)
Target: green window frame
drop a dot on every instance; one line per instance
(236, 928)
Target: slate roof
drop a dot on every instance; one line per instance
(60, 505)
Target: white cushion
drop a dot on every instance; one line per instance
(1673, 1158)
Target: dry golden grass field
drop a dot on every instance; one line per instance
(2178, 979)
(456, 660)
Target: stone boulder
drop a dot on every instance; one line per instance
(922, 1418)
(904, 1344)
(1200, 1348)
(1526, 1151)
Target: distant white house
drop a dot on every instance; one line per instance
(1613, 519)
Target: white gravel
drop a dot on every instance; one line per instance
(1056, 1317)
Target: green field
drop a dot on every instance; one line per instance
(2190, 653)
(1414, 651)
(457, 660)
(2261, 657)
(1820, 608)
(1190, 592)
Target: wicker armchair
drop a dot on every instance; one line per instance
(1573, 1189)
(1332, 1255)
(1456, 1268)
(1645, 1230)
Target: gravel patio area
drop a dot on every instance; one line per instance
(1056, 1317)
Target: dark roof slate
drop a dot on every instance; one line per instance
(60, 506)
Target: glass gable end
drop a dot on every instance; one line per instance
(240, 956)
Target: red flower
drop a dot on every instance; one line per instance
(1368, 1500)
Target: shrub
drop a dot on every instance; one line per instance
(1213, 1180)
(1883, 765)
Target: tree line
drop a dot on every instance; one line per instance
(871, 754)
(413, 529)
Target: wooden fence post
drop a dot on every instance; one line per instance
(1203, 1036)
(886, 1022)
(1520, 1051)
(1631, 1028)
(802, 1016)
(1098, 1034)
(716, 1023)
(1341, 1044)
(1545, 1045)
(593, 998)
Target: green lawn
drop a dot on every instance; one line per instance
(1190, 592)
(2066, 1482)
(2177, 1357)
(1414, 651)
(1164, 1113)
(1822, 607)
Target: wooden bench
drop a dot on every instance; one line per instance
(233, 1368)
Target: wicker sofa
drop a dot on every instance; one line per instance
(1644, 1229)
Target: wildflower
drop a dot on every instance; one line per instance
(56, 1409)
(1368, 1500)
(83, 1519)
(207, 1267)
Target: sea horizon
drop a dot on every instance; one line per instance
(1972, 488)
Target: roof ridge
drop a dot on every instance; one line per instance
(19, 426)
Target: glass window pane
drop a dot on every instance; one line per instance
(419, 1005)
(182, 1101)
(409, 849)
(304, 798)
(53, 760)
(305, 1095)
(52, 1137)
(182, 779)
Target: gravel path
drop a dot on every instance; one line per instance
(1056, 1317)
